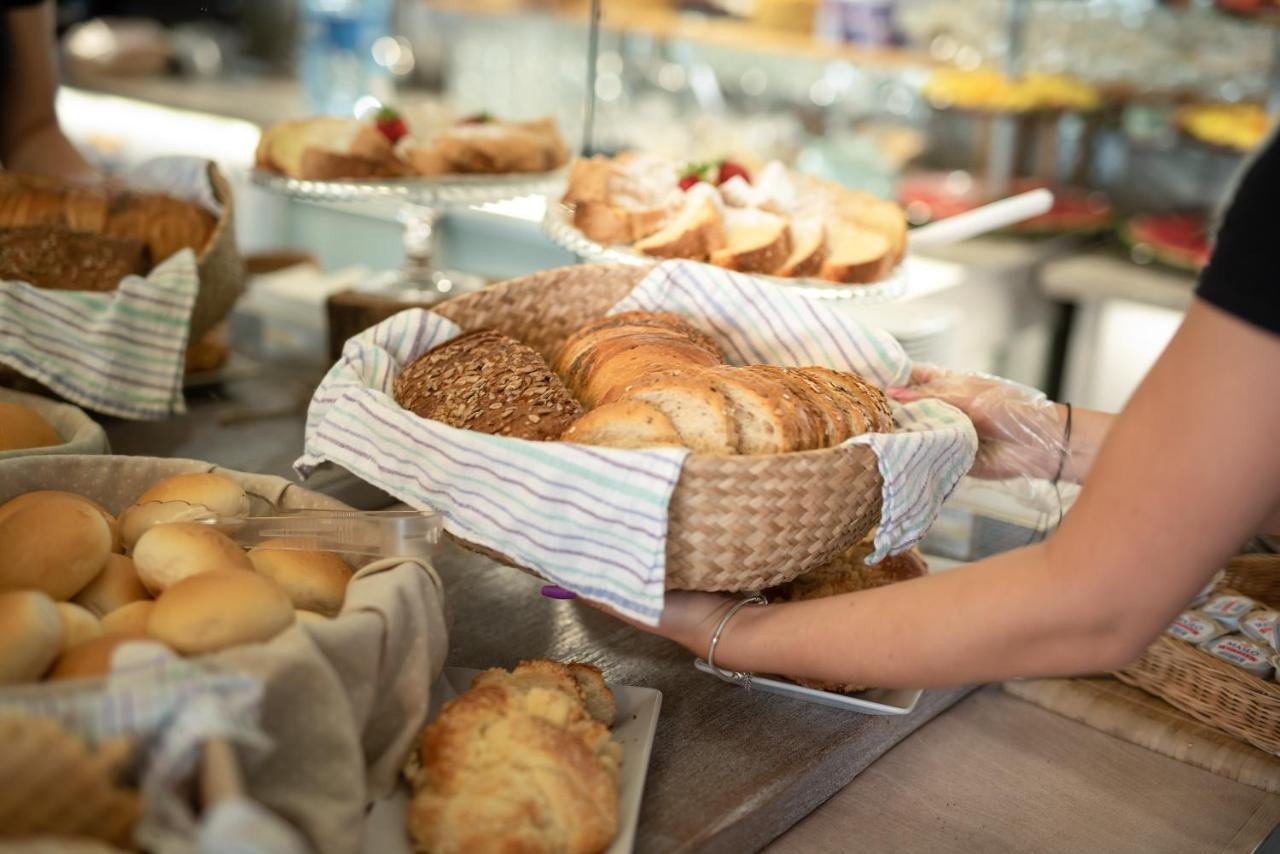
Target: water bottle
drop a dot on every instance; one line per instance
(336, 63)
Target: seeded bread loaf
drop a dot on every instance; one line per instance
(53, 257)
(490, 383)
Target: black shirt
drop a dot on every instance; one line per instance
(1243, 275)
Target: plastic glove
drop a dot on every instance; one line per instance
(1020, 433)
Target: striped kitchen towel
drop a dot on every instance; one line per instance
(121, 352)
(594, 520)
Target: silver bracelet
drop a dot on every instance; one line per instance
(736, 677)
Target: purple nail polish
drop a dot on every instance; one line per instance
(555, 591)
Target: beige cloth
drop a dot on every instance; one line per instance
(344, 699)
(80, 434)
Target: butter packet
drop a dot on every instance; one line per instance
(1243, 653)
(1260, 626)
(1194, 627)
(1207, 590)
(1227, 608)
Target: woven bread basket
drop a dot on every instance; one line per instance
(219, 265)
(1209, 689)
(735, 522)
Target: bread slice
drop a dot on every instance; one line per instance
(608, 224)
(808, 248)
(694, 232)
(588, 181)
(699, 413)
(759, 422)
(867, 408)
(836, 424)
(883, 217)
(855, 255)
(624, 424)
(627, 323)
(629, 365)
(797, 404)
(756, 241)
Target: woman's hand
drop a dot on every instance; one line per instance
(1020, 432)
(688, 618)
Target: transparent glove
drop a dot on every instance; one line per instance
(1020, 434)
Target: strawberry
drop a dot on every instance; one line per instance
(390, 123)
(687, 181)
(729, 169)
(693, 173)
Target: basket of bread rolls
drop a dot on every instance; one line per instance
(65, 236)
(98, 557)
(627, 429)
(31, 425)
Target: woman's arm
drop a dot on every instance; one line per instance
(1187, 473)
(30, 138)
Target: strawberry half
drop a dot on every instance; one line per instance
(693, 173)
(730, 169)
(390, 123)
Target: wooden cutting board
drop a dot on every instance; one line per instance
(1139, 718)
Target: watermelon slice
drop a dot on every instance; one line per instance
(926, 196)
(1074, 211)
(1178, 240)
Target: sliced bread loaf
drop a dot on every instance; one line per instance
(698, 411)
(756, 241)
(624, 424)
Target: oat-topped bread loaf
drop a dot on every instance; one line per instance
(652, 376)
(490, 383)
(51, 257)
(849, 574)
(522, 761)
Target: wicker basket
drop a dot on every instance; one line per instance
(736, 522)
(220, 267)
(1209, 689)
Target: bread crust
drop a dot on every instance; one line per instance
(624, 424)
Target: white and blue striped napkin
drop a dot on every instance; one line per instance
(121, 352)
(594, 520)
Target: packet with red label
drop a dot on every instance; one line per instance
(1227, 608)
(1260, 625)
(1194, 627)
(1242, 652)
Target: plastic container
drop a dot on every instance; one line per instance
(335, 62)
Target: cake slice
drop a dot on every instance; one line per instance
(808, 248)
(694, 232)
(326, 148)
(855, 255)
(755, 241)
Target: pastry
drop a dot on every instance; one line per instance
(521, 761)
(490, 383)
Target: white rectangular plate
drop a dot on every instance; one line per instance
(876, 701)
(633, 728)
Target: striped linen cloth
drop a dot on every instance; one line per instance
(123, 352)
(594, 520)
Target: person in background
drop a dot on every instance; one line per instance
(1173, 486)
(30, 137)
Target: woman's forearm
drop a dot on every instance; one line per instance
(1088, 430)
(1009, 615)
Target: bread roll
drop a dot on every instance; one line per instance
(167, 554)
(41, 494)
(220, 494)
(78, 625)
(30, 635)
(137, 519)
(90, 659)
(302, 615)
(23, 427)
(56, 543)
(219, 609)
(114, 587)
(313, 580)
(129, 620)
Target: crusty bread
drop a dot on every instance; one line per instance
(855, 255)
(795, 401)
(868, 407)
(327, 148)
(698, 411)
(623, 199)
(609, 224)
(219, 493)
(624, 424)
(695, 231)
(760, 424)
(519, 763)
(490, 383)
(628, 321)
(313, 580)
(835, 419)
(755, 241)
(621, 364)
(877, 215)
(56, 258)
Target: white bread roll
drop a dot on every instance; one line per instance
(41, 494)
(129, 620)
(89, 659)
(30, 635)
(116, 586)
(219, 609)
(56, 543)
(137, 519)
(302, 615)
(220, 494)
(167, 554)
(22, 427)
(313, 580)
(78, 625)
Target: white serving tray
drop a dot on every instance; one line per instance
(557, 223)
(634, 727)
(875, 701)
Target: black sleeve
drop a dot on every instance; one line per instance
(1243, 275)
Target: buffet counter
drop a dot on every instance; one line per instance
(731, 771)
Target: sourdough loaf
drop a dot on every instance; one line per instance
(56, 258)
(490, 383)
